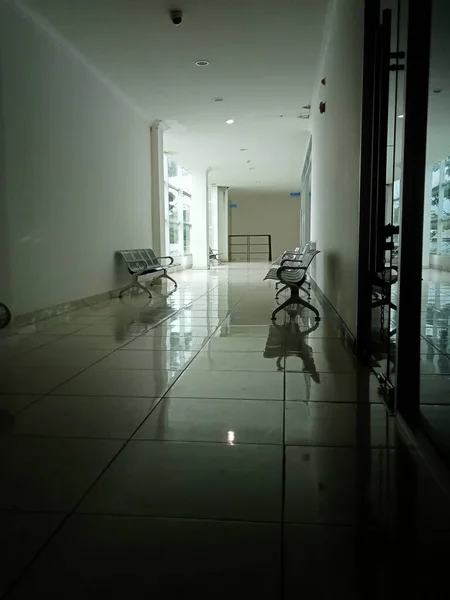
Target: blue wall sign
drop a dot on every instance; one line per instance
(233, 205)
(294, 194)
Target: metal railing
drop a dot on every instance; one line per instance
(250, 247)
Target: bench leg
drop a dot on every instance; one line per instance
(281, 290)
(172, 280)
(306, 290)
(295, 299)
(134, 284)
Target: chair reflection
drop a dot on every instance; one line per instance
(289, 340)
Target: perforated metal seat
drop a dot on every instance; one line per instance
(144, 262)
(292, 273)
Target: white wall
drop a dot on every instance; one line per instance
(336, 137)
(77, 170)
(262, 212)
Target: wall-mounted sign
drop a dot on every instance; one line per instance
(233, 205)
(294, 194)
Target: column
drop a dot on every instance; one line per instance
(222, 212)
(213, 217)
(200, 221)
(157, 186)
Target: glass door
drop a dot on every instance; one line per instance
(435, 307)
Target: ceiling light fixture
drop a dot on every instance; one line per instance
(400, 116)
(242, 149)
(217, 99)
(202, 63)
(249, 161)
(229, 121)
(437, 91)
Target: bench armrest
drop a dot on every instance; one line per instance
(141, 271)
(166, 258)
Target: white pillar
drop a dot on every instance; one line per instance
(222, 213)
(213, 217)
(157, 186)
(200, 221)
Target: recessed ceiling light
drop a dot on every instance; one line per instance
(437, 91)
(400, 116)
(217, 99)
(249, 161)
(242, 149)
(202, 63)
(229, 121)
(252, 169)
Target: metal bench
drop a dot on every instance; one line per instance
(144, 262)
(295, 254)
(292, 273)
(214, 256)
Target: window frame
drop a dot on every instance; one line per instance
(176, 222)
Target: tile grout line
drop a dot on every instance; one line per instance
(14, 583)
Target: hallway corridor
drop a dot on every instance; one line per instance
(187, 448)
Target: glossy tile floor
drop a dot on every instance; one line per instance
(187, 447)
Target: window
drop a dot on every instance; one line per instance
(440, 208)
(178, 189)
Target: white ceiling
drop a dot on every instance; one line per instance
(263, 60)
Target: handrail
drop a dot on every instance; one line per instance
(249, 245)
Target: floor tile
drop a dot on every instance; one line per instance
(181, 329)
(176, 479)
(205, 420)
(175, 360)
(46, 328)
(339, 424)
(84, 416)
(330, 387)
(50, 474)
(16, 345)
(246, 331)
(209, 360)
(312, 551)
(170, 343)
(236, 344)
(331, 362)
(184, 319)
(23, 534)
(120, 382)
(100, 342)
(12, 403)
(73, 318)
(34, 380)
(228, 384)
(188, 558)
(325, 485)
(49, 356)
(118, 330)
